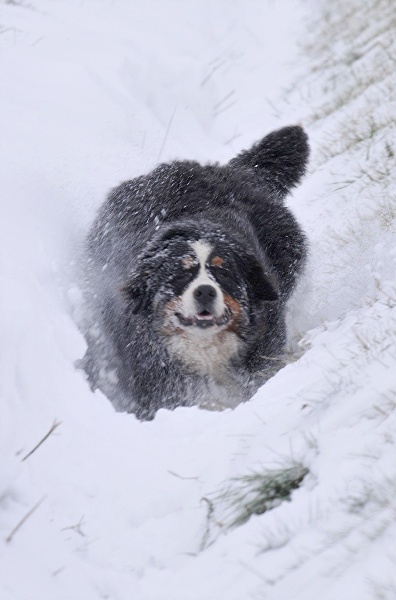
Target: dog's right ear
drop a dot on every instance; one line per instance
(136, 292)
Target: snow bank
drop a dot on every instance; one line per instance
(108, 507)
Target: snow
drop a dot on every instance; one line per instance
(94, 92)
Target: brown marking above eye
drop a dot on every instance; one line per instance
(217, 261)
(187, 262)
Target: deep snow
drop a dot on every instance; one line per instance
(96, 91)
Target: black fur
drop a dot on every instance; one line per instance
(142, 231)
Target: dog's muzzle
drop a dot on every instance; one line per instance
(205, 298)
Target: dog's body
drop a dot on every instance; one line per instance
(189, 269)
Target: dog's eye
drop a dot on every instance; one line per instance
(217, 261)
(182, 278)
(187, 262)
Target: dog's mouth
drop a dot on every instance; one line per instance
(203, 319)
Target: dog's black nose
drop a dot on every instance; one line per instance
(205, 295)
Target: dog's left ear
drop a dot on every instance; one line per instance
(279, 160)
(262, 286)
(136, 292)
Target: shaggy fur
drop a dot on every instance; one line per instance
(188, 271)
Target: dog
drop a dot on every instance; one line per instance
(187, 274)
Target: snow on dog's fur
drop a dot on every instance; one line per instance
(188, 271)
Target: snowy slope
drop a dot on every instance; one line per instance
(97, 91)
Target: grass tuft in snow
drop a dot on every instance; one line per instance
(256, 493)
(252, 494)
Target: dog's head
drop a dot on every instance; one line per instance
(192, 282)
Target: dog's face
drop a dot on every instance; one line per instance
(206, 296)
(200, 290)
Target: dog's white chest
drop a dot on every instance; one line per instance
(204, 353)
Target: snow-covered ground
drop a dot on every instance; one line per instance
(97, 91)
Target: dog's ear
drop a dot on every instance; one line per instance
(279, 160)
(138, 289)
(263, 289)
(136, 292)
(262, 285)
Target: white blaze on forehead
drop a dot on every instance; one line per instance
(202, 250)
(189, 305)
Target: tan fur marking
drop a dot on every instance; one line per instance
(187, 262)
(217, 261)
(236, 313)
(170, 328)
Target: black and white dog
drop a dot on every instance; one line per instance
(188, 272)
